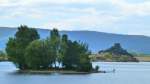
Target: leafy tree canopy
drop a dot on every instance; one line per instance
(16, 46)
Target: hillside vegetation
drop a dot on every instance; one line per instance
(116, 54)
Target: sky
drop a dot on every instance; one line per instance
(113, 16)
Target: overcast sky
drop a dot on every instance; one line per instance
(114, 16)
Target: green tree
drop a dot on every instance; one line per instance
(77, 57)
(16, 46)
(70, 58)
(12, 52)
(38, 55)
(55, 44)
(84, 60)
(63, 48)
(50, 51)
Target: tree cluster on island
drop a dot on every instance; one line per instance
(115, 53)
(28, 52)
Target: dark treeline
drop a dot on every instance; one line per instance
(29, 52)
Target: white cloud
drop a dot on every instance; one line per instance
(60, 1)
(127, 8)
(34, 2)
(60, 14)
(87, 22)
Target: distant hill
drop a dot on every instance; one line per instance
(96, 40)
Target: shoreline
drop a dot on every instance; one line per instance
(56, 71)
(117, 61)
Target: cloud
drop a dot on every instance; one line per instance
(115, 16)
(127, 8)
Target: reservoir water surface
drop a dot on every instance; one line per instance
(125, 73)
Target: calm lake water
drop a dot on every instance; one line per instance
(126, 73)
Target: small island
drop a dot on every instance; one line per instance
(56, 53)
(114, 54)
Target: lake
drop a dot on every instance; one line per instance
(126, 73)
